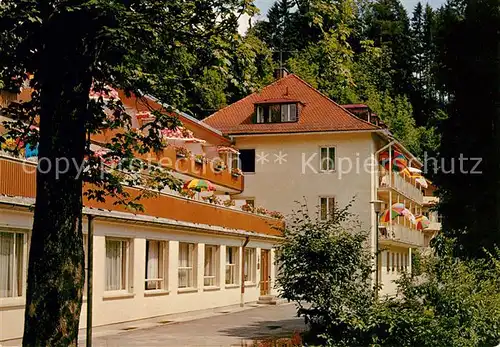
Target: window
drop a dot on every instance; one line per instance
(156, 267)
(231, 265)
(186, 265)
(276, 113)
(210, 278)
(327, 159)
(260, 114)
(289, 112)
(393, 262)
(247, 158)
(116, 264)
(234, 161)
(250, 264)
(406, 262)
(11, 264)
(397, 262)
(327, 206)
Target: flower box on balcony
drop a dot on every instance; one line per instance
(235, 172)
(229, 203)
(247, 208)
(276, 214)
(219, 166)
(199, 159)
(261, 210)
(182, 152)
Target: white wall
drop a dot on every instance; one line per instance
(277, 186)
(137, 304)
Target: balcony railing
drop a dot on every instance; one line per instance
(402, 234)
(402, 186)
(188, 166)
(17, 179)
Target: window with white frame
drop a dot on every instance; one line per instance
(250, 265)
(289, 112)
(117, 264)
(276, 113)
(260, 114)
(210, 278)
(186, 267)
(12, 262)
(327, 159)
(231, 265)
(327, 207)
(156, 265)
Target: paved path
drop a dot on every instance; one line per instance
(222, 330)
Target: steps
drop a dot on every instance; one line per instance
(270, 300)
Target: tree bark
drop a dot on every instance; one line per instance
(56, 258)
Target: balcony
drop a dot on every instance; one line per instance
(401, 186)
(187, 166)
(401, 234)
(17, 179)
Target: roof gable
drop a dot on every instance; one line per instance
(317, 111)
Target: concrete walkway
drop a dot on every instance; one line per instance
(230, 329)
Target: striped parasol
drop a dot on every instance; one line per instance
(422, 222)
(198, 185)
(399, 161)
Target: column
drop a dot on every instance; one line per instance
(173, 261)
(200, 268)
(222, 267)
(138, 265)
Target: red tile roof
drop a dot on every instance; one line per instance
(317, 111)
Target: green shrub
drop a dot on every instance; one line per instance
(325, 267)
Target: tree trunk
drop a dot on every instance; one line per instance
(56, 259)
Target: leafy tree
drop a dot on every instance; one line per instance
(248, 67)
(325, 268)
(453, 303)
(69, 46)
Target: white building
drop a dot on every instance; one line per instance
(296, 144)
(182, 254)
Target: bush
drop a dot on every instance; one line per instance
(454, 303)
(325, 268)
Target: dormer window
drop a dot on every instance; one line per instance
(276, 113)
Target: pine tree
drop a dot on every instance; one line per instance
(469, 188)
(388, 25)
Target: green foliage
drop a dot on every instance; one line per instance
(468, 55)
(70, 47)
(325, 268)
(453, 303)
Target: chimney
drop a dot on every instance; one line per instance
(279, 73)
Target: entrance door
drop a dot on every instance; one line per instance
(265, 274)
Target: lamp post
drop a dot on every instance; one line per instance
(377, 206)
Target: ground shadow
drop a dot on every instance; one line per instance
(267, 329)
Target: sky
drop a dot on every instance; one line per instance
(264, 6)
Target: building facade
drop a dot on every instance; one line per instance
(296, 144)
(184, 253)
